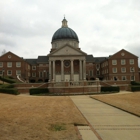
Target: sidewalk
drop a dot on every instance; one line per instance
(106, 122)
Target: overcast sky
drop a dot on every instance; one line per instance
(103, 26)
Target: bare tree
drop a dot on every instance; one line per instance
(3, 52)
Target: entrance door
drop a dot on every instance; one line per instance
(76, 77)
(58, 78)
(67, 77)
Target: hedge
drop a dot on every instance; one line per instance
(135, 88)
(135, 83)
(7, 86)
(9, 91)
(6, 80)
(38, 91)
(110, 89)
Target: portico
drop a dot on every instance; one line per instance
(67, 69)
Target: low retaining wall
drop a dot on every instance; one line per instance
(31, 85)
(24, 87)
(84, 89)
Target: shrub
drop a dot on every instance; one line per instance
(135, 88)
(7, 80)
(135, 83)
(9, 91)
(38, 91)
(7, 86)
(10, 77)
(110, 89)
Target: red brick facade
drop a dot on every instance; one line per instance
(122, 66)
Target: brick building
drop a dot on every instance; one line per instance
(67, 62)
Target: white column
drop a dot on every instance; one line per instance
(62, 70)
(54, 70)
(72, 76)
(80, 68)
(50, 70)
(84, 69)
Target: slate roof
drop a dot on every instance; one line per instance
(99, 59)
(42, 59)
(31, 61)
(89, 58)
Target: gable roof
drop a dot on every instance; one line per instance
(11, 54)
(121, 51)
(99, 59)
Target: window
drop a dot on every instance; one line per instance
(47, 74)
(9, 64)
(9, 72)
(33, 74)
(132, 78)
(97, 66)
(1, 73)
(18, 72)
(123, 77)
(114, 62)
(114, 70)
(123, 70)
(122, 61)
(90, 73)
(107, 71)
(1, 64)
(131, 61)
(18, 64)
(132, 69)
(33, 67)
(98, 72)
(40, 74)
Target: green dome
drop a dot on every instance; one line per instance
(64, 32)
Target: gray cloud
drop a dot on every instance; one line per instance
(103, 27)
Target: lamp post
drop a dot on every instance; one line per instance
(44, 75)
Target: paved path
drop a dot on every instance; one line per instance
(108, 123)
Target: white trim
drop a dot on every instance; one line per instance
(9, 64)
(114, 62)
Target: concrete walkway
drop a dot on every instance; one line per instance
(106, 122)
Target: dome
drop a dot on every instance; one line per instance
(64, 32)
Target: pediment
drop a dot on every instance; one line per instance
(123, 54)
(67, 50)
(10, 56)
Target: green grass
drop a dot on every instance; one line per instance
(57, 127)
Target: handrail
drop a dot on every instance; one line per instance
(41, 85)
(20, 79)
(106, 83)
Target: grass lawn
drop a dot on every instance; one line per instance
(38, 118)
(129, 102)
